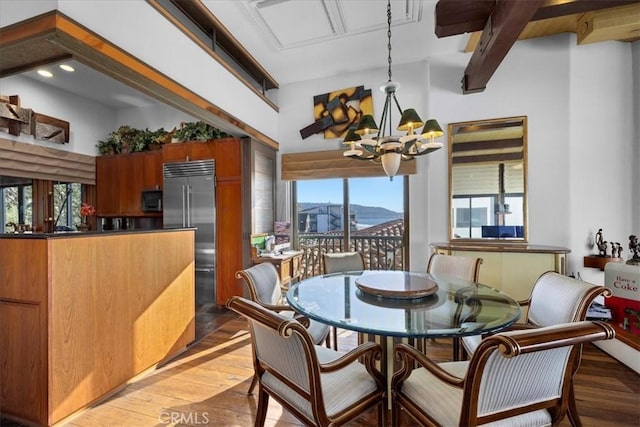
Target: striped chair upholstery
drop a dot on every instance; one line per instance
(318, 385)
(460, 267)
(554, 299)
(513, 379)
(340, 262)
(262, 285)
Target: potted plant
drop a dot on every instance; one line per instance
(197, 131)
(119, 141)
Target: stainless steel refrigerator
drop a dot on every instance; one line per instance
(189, 201)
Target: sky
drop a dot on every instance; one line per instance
(378, 192)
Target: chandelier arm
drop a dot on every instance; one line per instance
(427, 151)
(371, 150)
(383, 119)
(407, 147)
(397, 103)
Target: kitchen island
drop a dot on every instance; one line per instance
(83, 313)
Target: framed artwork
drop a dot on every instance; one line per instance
(335, 112)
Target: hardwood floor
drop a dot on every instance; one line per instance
(207, 385)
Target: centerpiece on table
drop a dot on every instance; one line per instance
(86, 210)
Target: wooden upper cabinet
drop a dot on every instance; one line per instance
(120, 180)
(186, 151)
(107, 185)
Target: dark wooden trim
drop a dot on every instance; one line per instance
(96, 52)
(488, 158)
(494, 144)
(454, 17)
(501, 31)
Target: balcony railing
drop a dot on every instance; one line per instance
(379, 252)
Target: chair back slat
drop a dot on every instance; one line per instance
(556, 299)
(262, 283)
(509, 383)
(461, 267)
(282, 354)
(339, 262)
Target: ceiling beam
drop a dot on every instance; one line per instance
(619, 23)
(454, 17)
(501, 31)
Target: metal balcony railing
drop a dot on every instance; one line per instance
(379, 252)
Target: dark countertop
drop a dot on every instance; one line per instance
(87, 233)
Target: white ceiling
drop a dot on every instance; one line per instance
(295, 40)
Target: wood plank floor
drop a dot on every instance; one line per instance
(207, 385)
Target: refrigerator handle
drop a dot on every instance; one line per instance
(184, 208)
(188, 205)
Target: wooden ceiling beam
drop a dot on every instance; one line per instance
(499, 34)
(461, 16)
(454, 17)
(619, 23)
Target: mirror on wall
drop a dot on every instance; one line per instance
(488, 179)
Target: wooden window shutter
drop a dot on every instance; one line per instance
(332, 164)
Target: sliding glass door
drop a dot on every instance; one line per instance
(356, 214)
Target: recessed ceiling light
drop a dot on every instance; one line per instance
(68, 68)
(45, 73)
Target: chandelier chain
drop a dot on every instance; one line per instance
(389, 36)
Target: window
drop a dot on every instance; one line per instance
(16, 205)
(67, 198)
(355, 214)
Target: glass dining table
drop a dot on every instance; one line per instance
(399, 306)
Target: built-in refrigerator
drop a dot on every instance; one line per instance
(189, 201)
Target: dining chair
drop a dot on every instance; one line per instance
(262, 285)
(320, 386)
(554, 299)
(340, 262)
(460, 267)
(520, 377)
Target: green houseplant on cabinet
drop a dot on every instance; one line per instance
(197, 131)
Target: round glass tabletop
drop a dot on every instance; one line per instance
(456, 308)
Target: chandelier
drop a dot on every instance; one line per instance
(367, 141)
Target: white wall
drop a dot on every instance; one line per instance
(545, 80)
(601, 190)
(152, 117)
(89, 121)
(138, 28)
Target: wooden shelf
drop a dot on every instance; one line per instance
(596, 261)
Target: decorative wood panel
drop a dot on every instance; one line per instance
(118, 304)
(229, 238)
(47, 128)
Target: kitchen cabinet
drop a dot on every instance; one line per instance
(245, 172)
(191, 150)
(120, 180)
(81, 328)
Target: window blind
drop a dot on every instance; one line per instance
(24, 160)
(333, 164)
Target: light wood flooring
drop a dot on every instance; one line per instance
(207, 385)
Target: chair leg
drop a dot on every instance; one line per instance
(572, 412)
(263, 404)
(254, 381)
(334, 332)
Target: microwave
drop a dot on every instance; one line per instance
(151, 200)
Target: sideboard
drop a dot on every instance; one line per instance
(512, 268)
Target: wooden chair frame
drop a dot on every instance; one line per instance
(570, 334)
(368, 353)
